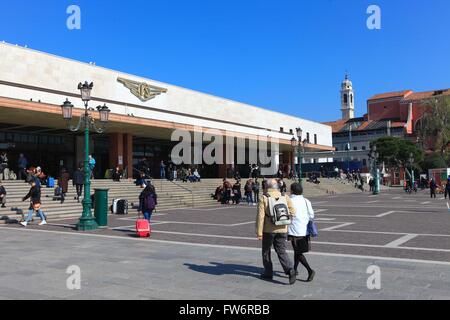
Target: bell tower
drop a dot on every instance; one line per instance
(347, 99)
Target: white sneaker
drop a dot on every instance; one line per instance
(24, 223)
(254, 204)
(43, 223)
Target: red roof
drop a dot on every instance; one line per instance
(427, 94)
(396, 94)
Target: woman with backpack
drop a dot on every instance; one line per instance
(297, 231)
(148, 201)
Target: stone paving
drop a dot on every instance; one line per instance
(211, 253)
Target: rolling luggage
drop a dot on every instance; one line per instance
(143, 229)
(119, 206)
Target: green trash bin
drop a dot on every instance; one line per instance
(101, 207)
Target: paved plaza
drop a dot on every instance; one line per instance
(212, 253)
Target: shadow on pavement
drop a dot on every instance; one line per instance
(217, 269)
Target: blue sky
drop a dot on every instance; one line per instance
(285, 55)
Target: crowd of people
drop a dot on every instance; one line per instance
(228, 193)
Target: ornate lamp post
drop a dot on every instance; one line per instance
(411, 162)
(299, 153)
(294, 144)
(375, 170)
(87, 221)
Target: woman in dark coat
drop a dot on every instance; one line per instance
(63, 182)
(78, 180)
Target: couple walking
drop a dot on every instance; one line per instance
(277, 236)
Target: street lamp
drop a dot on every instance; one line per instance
(411, 162)
(87, 221)
(294, 145)
(299, 132)
(374, 155)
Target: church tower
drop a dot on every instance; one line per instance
(347, 99)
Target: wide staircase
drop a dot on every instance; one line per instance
(171, 195)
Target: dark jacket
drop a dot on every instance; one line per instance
(2, 190)
(63, 181)
(34, 194)
(78, 177)
(23, 163)
(142, 206)
(116, 175)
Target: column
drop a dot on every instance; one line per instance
(116, 150)
(128, 154)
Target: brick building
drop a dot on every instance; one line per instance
(396, 114)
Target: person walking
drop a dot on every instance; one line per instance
(283, 187)
(92, 164)
(63, 183)
(447, 188)
(22, 163)
(148, 200)
(249, 192)
(35, 204)
(162, 170)
(2, 195)
(256, 187)
(78, 180)
(433, 187)
(272, 235)
(297, 231)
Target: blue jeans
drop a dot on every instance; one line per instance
(30, 215)
(148, 215)
(162, 173)
(249, 198)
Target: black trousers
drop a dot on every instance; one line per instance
(433, 193)
(278, 241)
(79, 189)
(22, 174)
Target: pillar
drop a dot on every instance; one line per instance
(116, 157)
(128, 154)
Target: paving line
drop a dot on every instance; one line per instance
(317, 253)
(400, 241)
(385, 214)
(338, 226)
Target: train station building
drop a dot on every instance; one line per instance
(144, 114)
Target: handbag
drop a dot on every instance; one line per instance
(311, 228)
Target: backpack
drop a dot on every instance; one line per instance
(279, 211)
(149, 202)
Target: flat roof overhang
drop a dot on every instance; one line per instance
(32, 113)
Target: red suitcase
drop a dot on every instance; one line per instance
(143, 229)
